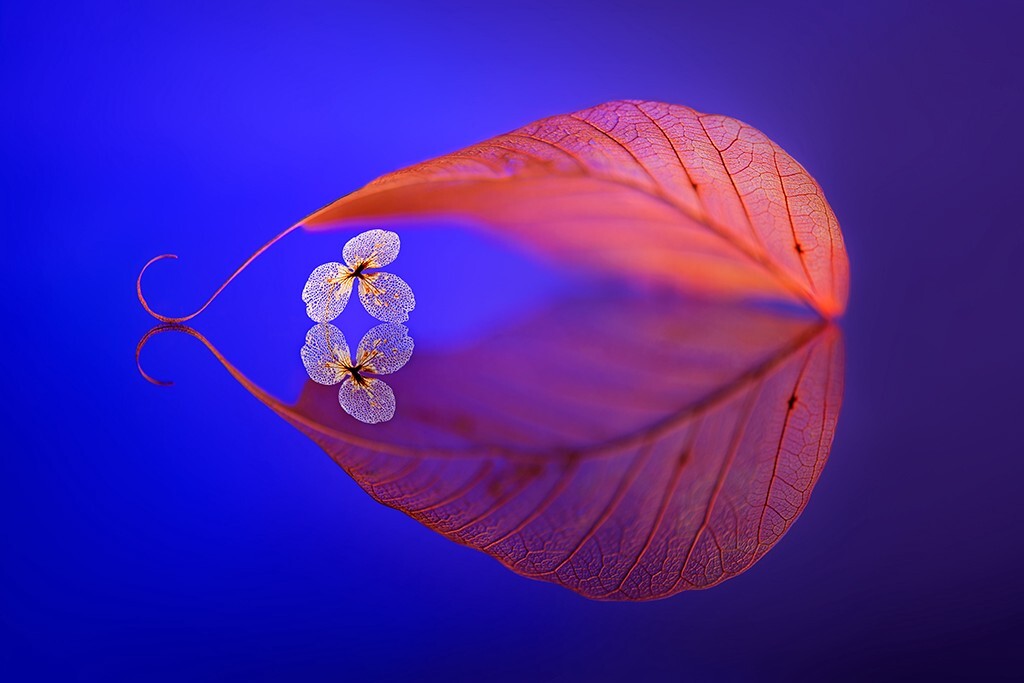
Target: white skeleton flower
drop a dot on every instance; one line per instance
(385, 296)
(383, 350)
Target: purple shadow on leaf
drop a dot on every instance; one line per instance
(624, 447)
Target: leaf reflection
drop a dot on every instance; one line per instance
(622, 460)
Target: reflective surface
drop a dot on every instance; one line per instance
(625, 447)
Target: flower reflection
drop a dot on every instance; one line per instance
(383, 350)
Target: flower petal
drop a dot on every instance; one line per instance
(324, 294)
(374, 248)
(325, 347)
(371, 401)
(385, 349)
(386, 297)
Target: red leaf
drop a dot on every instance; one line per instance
(623, 461)
(702, 201)
(622, 447)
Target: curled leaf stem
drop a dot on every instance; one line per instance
(238, 271)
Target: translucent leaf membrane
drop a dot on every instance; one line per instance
(643, 189)
(626, 448)
(385, 349)
(325, 349)
(386, 296)
(370, 400)
(326, 292)
(372, 249)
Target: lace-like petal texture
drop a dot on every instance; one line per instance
(326, 355)
(386, 297)
(327, 291)
(371, 249)
(370, 401)
(385, 349)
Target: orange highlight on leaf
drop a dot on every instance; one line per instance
(700, 201)
(643, 189)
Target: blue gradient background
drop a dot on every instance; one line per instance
(188, 534)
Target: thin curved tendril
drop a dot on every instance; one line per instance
(238, 271)
(160, 329)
